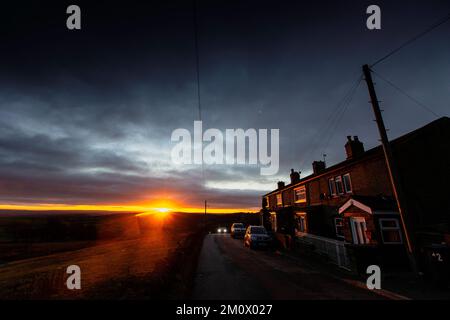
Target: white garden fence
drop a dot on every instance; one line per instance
(333, 249)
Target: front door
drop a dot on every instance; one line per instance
(273, 220)
(300, 223)
(359, 229)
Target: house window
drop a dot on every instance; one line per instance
(339, 187)
(331, 186)
(390, 231)
(279, 199)
(347, 183)
(267, 202)
(300, 223)
(300, 194)
(339, 225)
(359, 230)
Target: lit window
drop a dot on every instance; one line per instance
(267, 202)
(390, 231)
(339, 225)
(339, 187)
(300, 194)
(332, 187)
(279, 199)
(347, 183)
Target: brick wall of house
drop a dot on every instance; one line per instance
(422, 158)
(272, 205)
(288, 197)
(368, 177)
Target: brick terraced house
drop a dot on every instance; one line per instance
(347, 211)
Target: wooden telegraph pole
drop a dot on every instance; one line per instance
(391, 166)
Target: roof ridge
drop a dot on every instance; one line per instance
(370, 151)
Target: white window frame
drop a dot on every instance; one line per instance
(332, 186)
(358, 231)
(342, 226)
(295, 194)
(397, 227)
(350, 182)
(279, 197)
(336, 179)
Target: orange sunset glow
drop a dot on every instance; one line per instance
(124, 208)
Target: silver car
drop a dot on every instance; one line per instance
(256, 236)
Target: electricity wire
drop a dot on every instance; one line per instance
(416, 37)
(331, 121)
(417, 102)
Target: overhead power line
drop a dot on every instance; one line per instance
(334, 117)
(420, 104)
(199, 100)
(197, 59)
(420, 35)
(341, 116)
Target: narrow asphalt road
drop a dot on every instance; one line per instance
(228, 270)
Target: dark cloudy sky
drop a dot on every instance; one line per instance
(86, 116)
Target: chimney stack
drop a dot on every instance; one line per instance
(318, 166)
(353, 148)
(281, 184)
(295, 176)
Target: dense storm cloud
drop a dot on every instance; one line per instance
(86, 116)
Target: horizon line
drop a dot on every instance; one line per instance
(121, 208)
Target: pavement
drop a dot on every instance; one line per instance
(229, 271)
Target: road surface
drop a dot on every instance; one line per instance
(228, 270)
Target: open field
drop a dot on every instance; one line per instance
(121, 255)
(36, 250)
(44, 277)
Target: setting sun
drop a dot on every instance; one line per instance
(162, 210)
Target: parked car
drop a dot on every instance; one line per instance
(222, 230)
(256, 236)
(237, 230)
